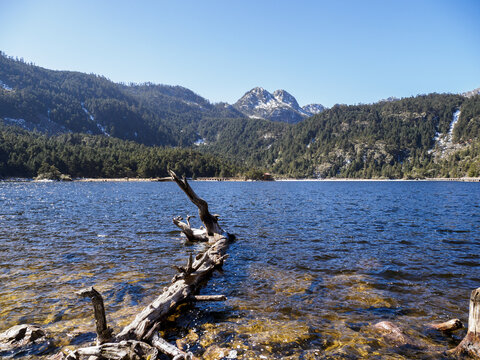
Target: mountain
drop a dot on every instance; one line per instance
(471, 93)
(279, 106)
(435, 135)
(56, 102)
(313, 109)
(94, 127)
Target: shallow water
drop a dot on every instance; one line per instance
(314, 264)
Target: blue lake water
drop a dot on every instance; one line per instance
(315, 264)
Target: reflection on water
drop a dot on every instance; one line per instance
(315, 264)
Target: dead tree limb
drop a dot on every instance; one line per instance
(131, 350)
(189, 279)
(209, 220)
(140, 339)
(447, 326)
(179, 291)
(169, 349)
(104, 333)
(470, 345)
(192, 234)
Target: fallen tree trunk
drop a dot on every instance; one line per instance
(210, 221)
(187, 281)
(140, 339)
(469, 347)
(184, 285)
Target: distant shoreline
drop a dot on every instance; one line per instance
(166, 179)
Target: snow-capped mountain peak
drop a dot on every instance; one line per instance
(283, 96)
(279, 106)
(313, 108)
(472, 93)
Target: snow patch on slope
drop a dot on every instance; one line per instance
(200, 141)
(91, 117)
(444, 144)
(18, 122)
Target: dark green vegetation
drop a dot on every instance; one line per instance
(26, 154)
(96, 128)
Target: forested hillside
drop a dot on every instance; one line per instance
(63, 101)
(86, 125)
(390, 139)
(26, 154)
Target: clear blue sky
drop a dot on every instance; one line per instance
(326, 52)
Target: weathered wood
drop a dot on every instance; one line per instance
(170, 349)
(210, 221)
(21, 340)
(136, 339)
(104, 333)
(192, 234)
(124, 350)
(470, 345)
(184, 286)
(189, 279)
(447, 326)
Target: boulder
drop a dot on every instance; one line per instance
(24, 340)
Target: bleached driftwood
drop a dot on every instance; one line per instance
(192, 234)
(447, 326)
(210, 221)
(170, 349)
(131, 350)
(140, 339)
(184, 285)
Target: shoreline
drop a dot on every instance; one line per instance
(214, 179)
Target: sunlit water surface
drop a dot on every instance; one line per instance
(315, 264)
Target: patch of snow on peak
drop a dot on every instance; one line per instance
(192, 103)
(471, 93)
(286, 98)
(313, 109)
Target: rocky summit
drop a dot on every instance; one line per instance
(279, 106)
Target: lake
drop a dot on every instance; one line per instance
(315, 264)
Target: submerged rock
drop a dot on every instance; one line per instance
(23, 340)
(215, 352)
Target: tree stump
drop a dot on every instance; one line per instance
(470, 345)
